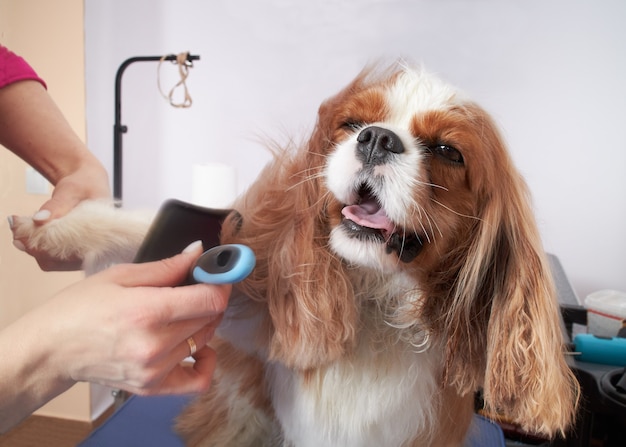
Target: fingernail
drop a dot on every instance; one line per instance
(19, 245)
(10, 220)
(193, 247)
(42, 215)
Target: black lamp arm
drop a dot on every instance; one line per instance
(118, 128)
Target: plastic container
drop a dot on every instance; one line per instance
(606, 312)
(593, 349)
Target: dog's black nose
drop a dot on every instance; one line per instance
(375, 144)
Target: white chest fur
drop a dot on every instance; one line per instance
(373, 398)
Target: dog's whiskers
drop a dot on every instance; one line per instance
(455, 212)
(322, 198)
(423, 215)
(417, 182)
(306, 179)
(421, 221)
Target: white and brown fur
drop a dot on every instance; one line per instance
(347, 336)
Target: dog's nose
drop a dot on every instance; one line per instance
(375, 144)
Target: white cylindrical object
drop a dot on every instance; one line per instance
(606, 312)
(214, 185)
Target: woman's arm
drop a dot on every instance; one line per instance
(125, 327)
(33, 127)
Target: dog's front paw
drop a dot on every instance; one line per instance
(91, 236)
(33, 239)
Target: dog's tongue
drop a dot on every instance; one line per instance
(369, 214)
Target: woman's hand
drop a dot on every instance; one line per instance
(127, 327)
(89, 181)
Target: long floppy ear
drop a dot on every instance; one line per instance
(310, 302)
(526, 375)
(510, 309)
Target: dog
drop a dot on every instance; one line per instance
(399, 272)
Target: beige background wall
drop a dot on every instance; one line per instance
(49, 35)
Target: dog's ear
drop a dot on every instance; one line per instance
(312, 314)
(526, 376)
(507, 333)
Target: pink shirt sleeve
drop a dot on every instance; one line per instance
(13, 68)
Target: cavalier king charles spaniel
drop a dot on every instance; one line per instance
(399, 272)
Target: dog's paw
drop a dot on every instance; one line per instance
(22, 227)
(93, 236)
(37, 240)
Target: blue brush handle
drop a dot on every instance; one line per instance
(609, 351)
(224, 264)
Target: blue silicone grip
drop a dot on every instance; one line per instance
(224, 264)
(609, 351)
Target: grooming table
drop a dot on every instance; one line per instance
(140, 422)
(147, 422)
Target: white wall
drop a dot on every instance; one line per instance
(552, 73)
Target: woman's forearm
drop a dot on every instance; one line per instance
(34, 128)
(28, 376)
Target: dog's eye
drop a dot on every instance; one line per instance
(447, 152)
(351, 125)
